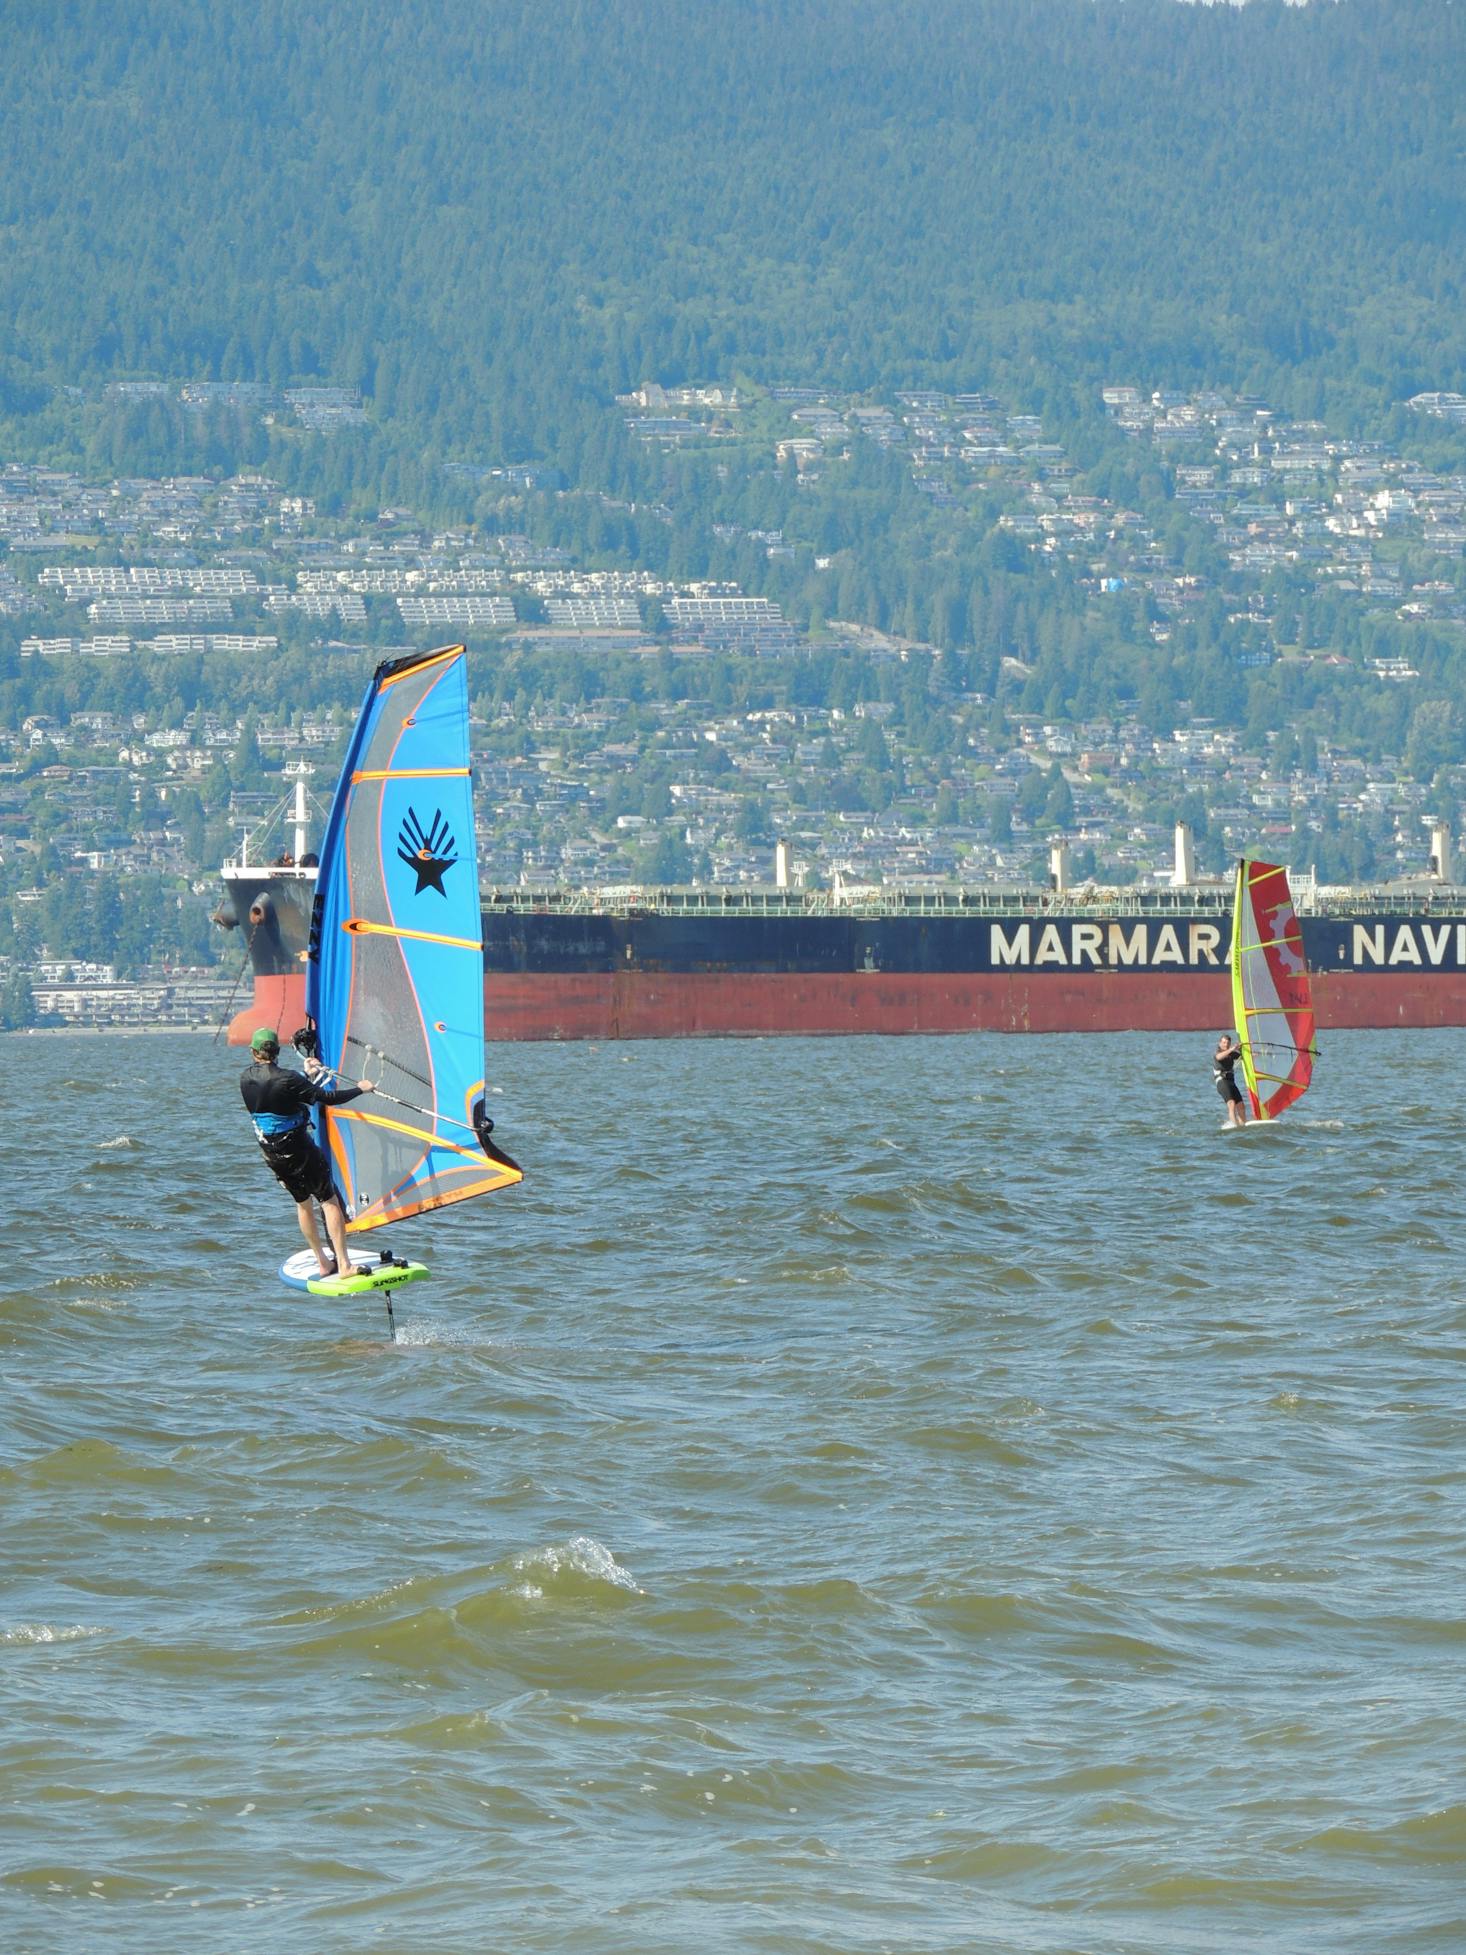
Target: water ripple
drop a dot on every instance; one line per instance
(1022, 1522)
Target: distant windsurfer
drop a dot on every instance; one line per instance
(279, 1103)
(1223, 1071)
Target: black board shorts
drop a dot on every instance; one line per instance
(1229, 1090)
(300, 1167)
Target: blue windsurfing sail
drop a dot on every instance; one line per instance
(395, 980)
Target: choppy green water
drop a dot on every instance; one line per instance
(927, 1495)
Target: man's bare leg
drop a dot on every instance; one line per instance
(336, 1228)
(306, 1214)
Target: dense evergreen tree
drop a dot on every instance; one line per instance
(17, 1002)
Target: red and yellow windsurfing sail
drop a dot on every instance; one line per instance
(1272, 998)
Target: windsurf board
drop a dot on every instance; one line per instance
(368, 1272)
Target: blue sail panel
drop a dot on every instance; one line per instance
(395, 982)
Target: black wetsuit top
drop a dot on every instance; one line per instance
(1224, 1073)
(279, 1103)
(284, 1099)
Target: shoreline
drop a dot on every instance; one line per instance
(101, 1031)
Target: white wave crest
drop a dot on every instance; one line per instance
(580, 1555)
(44, 1632)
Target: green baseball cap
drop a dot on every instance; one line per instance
(265, 1040)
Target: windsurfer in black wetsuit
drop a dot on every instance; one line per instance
(1223, 1064)
(279, 1103)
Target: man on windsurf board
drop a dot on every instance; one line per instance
(1223, 1071)
(279, 1103)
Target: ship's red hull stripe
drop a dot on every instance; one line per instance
(652, 1005)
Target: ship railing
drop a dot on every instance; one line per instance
(956, 902)
(257, 867)
(1418, 900)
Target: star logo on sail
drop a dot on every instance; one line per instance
(429, 852)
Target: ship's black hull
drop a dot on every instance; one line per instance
(759, 965)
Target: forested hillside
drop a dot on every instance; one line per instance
(1069, 339)
(490, 217)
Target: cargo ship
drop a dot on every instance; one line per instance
(720, 962)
